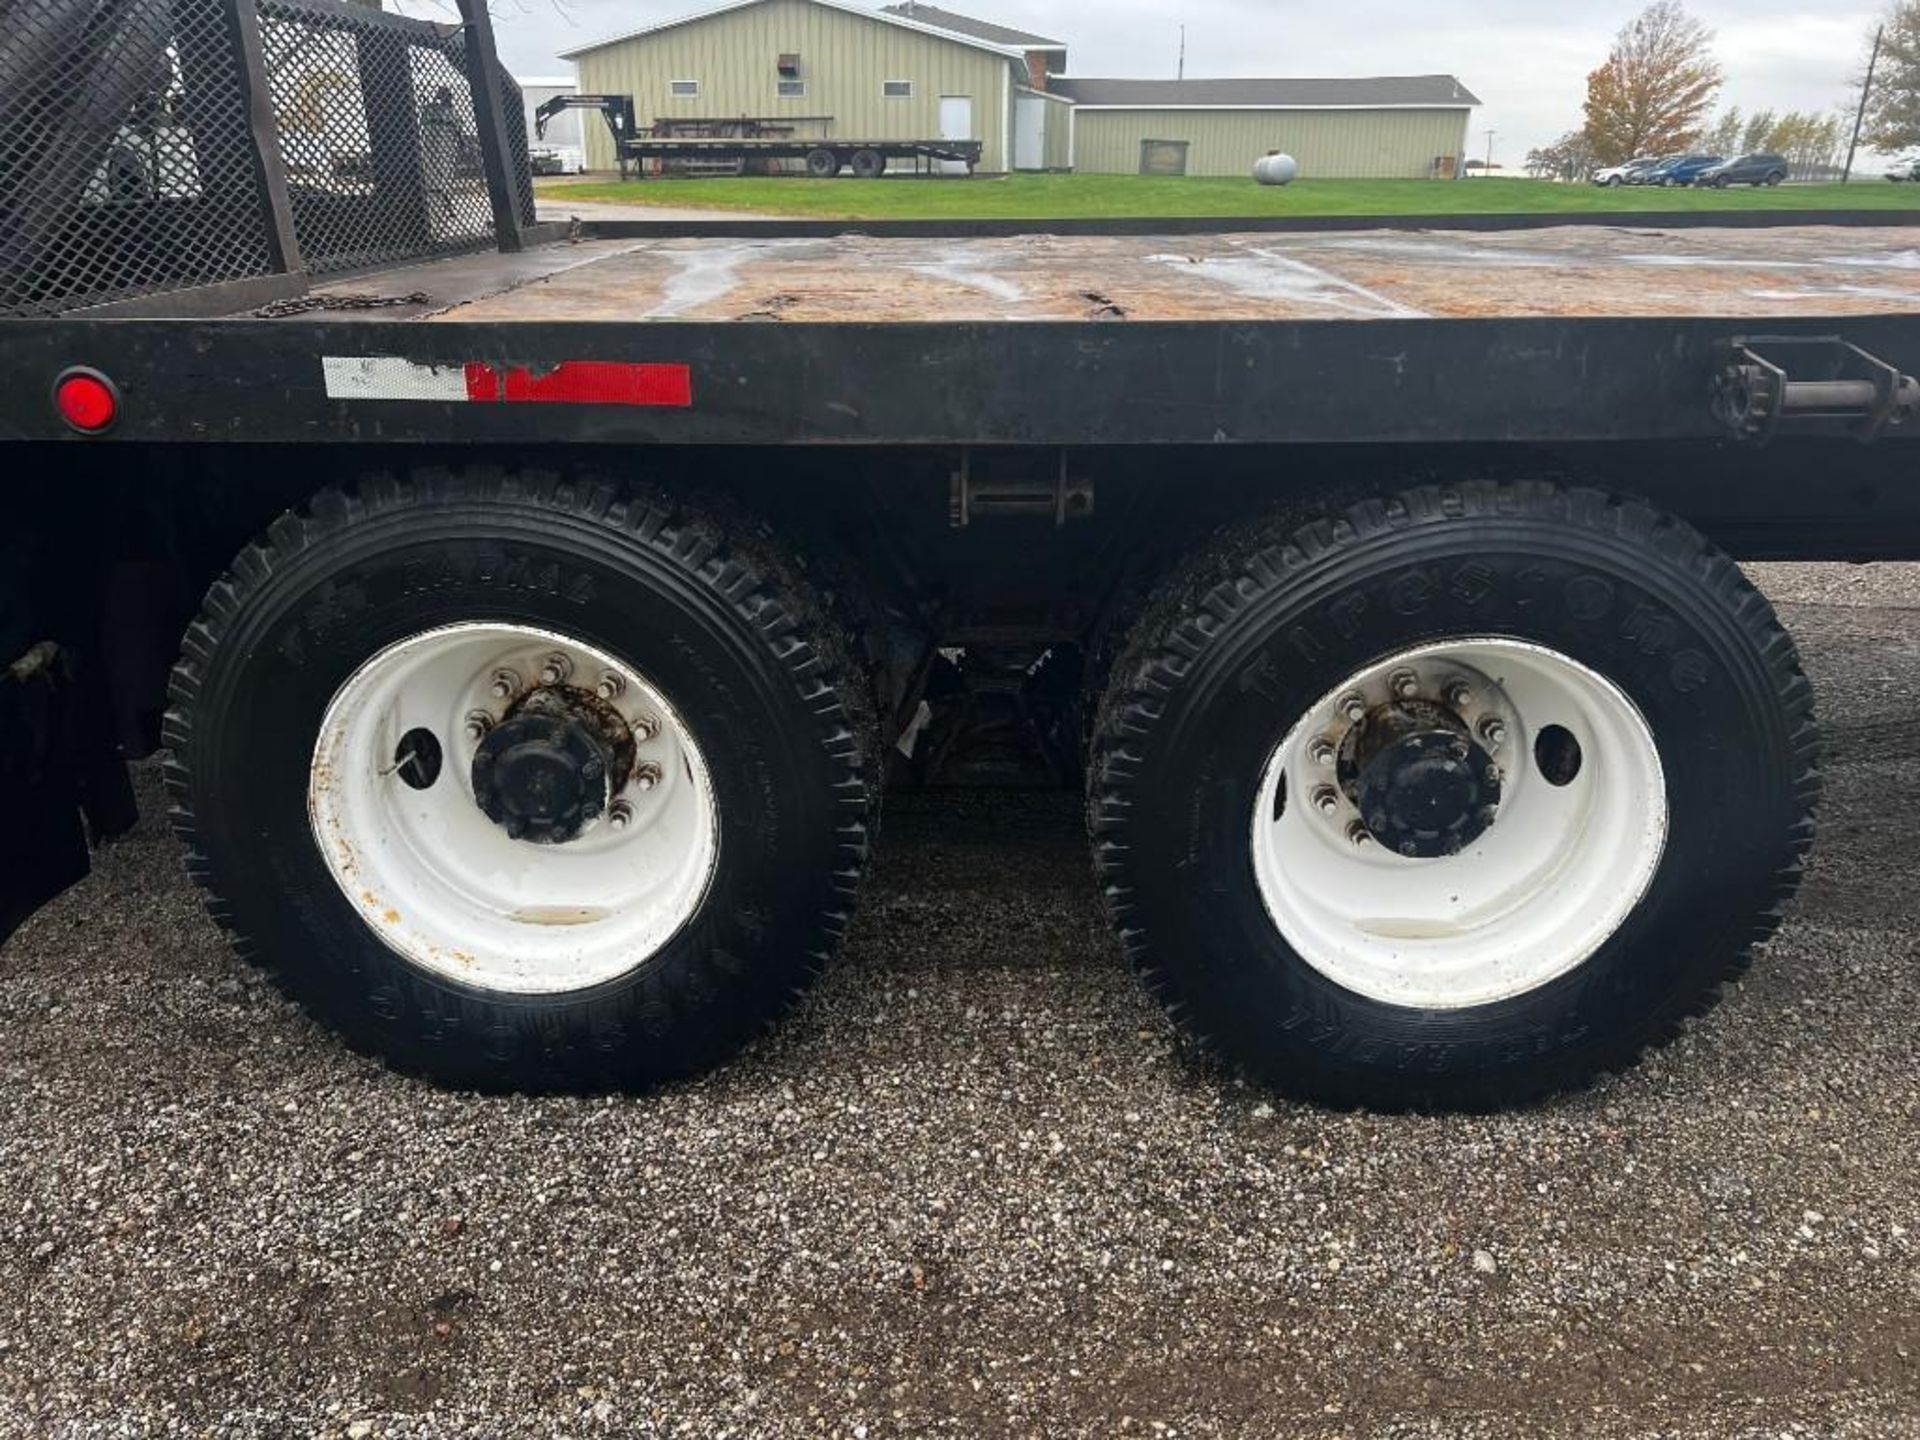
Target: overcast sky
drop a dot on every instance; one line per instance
(1527, 60)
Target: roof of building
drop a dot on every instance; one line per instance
(1375, 92)
(967, 25)
(924, 27)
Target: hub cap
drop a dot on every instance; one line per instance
(563, 830)
(1459, 824)
(1423, 786)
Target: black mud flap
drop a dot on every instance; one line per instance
(61, 777)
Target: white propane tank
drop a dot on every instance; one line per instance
(1275, 169)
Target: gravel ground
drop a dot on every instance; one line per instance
(975, 1187)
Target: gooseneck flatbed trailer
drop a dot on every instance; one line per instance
(747, 139)
(531, 623)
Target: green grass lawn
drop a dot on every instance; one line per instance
(1051, 197)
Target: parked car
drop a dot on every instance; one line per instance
(1682, 169)
(1905, 168)
(1761, 168)
(1634, 172)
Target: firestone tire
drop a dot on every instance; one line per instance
(1233, 653)
(717, 617)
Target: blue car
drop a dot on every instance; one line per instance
(1682, 169)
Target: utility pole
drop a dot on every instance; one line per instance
(1489, 169)
(1860, 114)
(1182, 72)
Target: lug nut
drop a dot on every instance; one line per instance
(1358, 834)
(611, 687)
(1404, 683)
(1493, 730)
(645, 728)
(555, 669)
(1326, 799)
(645, 777)
(1322, 751)
(619, 815)
(478, 724)
(504, 685)
(1353, 707)
(1458, 694)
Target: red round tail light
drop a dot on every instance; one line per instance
(86, 399)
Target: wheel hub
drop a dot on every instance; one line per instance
(1424, 787)
(550, 769)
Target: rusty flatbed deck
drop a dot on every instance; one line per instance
(1575, 271)
(1548, 335)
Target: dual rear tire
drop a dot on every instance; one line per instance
(1447, 800)
(1452, 799)
(522, 784)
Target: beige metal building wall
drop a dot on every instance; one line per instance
(1348, 144)
(1060, 137)
(844, 60)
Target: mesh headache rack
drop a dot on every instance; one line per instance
(150, 146)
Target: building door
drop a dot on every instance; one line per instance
(1163, 157)
(956, 123)
(1029, 132)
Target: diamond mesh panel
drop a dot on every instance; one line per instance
(126, 162)
(377, 134)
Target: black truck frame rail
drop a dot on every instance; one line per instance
(331, 379)
(236, 147)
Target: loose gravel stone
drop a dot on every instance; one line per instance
(975, 1186)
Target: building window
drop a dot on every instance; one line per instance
(793, 89)
(684, 89)
(897, 89)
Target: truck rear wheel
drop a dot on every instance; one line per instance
(869, 164)
(521, 784)
(1454, 799)
(822, 164)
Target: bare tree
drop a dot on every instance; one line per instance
(1568, 158)
(1893, 104)
(1653, 93)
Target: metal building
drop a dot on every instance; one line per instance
(826, 68)
(1397, 126)
(834, 69)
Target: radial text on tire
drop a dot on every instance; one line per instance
(1452, 799)
(524, 784)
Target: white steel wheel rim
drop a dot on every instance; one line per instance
(1536, 894)
(446, 887)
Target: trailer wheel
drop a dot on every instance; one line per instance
(869, 164)
(1453, 799)
(822, 164)
(521, 784)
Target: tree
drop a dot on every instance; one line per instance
(1893, 105)
(1758, 132)
(1724, 137)
(1652, 94)
(1568, 158)
(1811, 143)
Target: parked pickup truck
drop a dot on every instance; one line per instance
(530, 619)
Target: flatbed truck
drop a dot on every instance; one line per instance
(529, 632)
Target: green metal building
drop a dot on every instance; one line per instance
(834, 69)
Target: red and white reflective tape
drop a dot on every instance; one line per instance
(571, 382)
